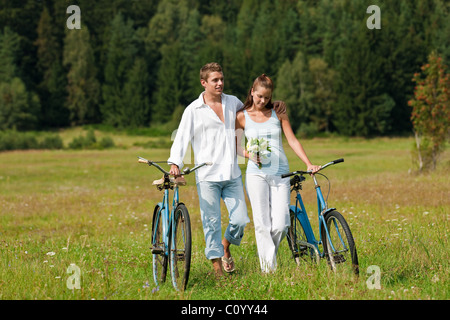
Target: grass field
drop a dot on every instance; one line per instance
(92, 209)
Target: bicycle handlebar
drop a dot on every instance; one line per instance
(187, 170)
(309, 172)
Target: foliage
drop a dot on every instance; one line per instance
(83, 87)
(19, 108)
(53, 79)
(89, 141)
(431, 110)
(16, 140)
(134, 64)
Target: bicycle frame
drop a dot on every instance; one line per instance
(322, 209)
(301, 214)
(167, 213)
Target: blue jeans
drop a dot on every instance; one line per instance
(232, 193)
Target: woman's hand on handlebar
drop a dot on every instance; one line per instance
(314, 168)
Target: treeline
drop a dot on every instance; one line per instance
(136, 63)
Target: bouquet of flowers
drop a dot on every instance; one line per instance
(259, 147)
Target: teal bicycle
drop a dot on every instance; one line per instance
(336, 239)
(171, 230)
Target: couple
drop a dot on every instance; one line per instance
(211, 124)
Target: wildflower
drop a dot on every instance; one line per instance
(51, 253)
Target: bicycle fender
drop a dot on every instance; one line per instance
(179, 203)
(324, 212)
(293, 208)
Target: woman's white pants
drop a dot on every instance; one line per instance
(269, 197)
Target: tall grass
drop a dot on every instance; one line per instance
(93, 209)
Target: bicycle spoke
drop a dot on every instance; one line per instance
(181, 248)
(157, 248)
(340, 247)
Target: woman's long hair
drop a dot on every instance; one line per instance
(262, 81)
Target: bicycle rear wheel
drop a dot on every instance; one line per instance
(298, 242)
(160, 258)
(339, 249)
(180, 248)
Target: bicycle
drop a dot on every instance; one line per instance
(338, 245)
(171, 230)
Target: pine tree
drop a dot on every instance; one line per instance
(9, 45)
(136, 107)
(193, 56)
(120, 56)
(324, 95)
(363, 106)
(52, 87)
(290, 87)
(19, 108)
(174, 33)
(169, 92)
(83, 87)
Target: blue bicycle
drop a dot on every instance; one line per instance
(336, 239)
(171, 230)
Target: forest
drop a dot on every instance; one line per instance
(135, 63)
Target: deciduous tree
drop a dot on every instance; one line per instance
(431, 110)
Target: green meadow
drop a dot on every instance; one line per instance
(91, 211)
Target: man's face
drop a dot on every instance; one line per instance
(214, 84)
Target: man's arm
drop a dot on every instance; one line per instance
(279, 107)
(181, 142)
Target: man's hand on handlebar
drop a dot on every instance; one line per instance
(174, 170)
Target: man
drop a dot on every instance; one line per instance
(208, 124)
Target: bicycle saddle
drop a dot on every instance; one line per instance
(179, 181)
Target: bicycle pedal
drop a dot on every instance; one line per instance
(339, 258)
(157, 250)
(180, 257)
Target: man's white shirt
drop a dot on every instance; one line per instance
(212, 140)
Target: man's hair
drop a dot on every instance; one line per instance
(208, 68)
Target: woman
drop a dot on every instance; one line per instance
(268, 192)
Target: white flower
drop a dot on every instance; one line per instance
(264, 144)
(255, 145)
(51, 253)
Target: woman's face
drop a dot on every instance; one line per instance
(261, 96)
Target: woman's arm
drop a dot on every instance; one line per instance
(294, 143)
(239, 127)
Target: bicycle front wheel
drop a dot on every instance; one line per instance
(160, 258)
(180, 248)
(339, 247)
